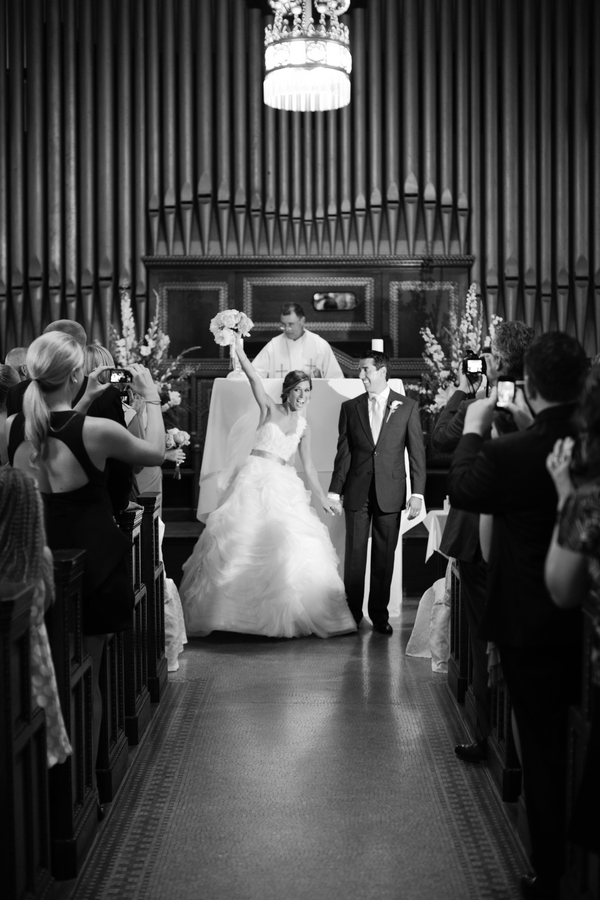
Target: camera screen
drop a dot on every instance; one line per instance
(474, 366)
(120, 376)
(506, 392)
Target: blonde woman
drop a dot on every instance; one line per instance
(66, 453)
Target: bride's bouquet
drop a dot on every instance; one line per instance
(227, 324)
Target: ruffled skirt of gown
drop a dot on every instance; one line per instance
(265, 563)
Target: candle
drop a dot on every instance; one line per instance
(377, 344)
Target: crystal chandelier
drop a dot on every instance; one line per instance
(307, 66)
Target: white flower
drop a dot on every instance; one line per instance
(392, 408)
(145, 351)
(230, 318)
(174, 398)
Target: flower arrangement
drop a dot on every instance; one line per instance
(150, 351)
(174, 439)
(438, 379)
(227, 324)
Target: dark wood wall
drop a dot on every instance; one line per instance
(136, 127)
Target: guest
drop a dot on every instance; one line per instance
(8, 378)
(15, 358)
(573, 575)
(66, 453)
(102, 403)
(461, 534)
(296, 349)
(26, 559)
(540, 646)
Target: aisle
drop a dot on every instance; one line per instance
(286, 770)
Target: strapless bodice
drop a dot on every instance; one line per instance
(271, 439)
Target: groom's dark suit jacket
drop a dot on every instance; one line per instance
(358, 460)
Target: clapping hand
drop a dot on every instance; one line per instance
(558, 463)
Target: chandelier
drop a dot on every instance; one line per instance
(307, 66)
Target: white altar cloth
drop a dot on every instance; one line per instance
(232, 398)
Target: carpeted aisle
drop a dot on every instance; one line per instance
(281, 770)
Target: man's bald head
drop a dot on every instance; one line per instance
(68, 326)
(15, 358)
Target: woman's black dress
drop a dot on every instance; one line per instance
(83, 520)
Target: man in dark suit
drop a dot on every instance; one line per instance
(369, 472)
(540, 645)
(461, 534)
(107, 405)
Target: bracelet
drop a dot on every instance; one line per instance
(156, 402)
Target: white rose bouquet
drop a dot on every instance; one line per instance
(176, 438)
(227, 324)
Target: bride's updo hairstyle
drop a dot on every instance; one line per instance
(50, 360)
(292, 380)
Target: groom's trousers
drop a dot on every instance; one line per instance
(385, 530)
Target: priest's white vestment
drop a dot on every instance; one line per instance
(309, 353)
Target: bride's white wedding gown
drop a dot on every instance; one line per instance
(265, 563)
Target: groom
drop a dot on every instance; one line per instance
(369, 472)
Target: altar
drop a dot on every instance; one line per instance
(232, 403)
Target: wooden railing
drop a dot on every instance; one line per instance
(48, 819)
(72, 798)
(24, 804)
(504, 763)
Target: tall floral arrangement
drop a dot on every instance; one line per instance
(151, 350)
(465, 337)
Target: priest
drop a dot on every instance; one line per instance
(296, 348)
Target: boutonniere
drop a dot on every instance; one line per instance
(392, 408)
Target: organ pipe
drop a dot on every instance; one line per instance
(137, 128)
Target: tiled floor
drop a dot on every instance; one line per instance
(284, 770)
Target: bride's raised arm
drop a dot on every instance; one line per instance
(260, 395)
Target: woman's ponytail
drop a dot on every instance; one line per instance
(37, 418)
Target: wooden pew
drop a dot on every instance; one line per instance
(583, 868)
(153, 578)
(503, 760)
(24, 807)
(73, 815)
(135, 641)
(458, 664)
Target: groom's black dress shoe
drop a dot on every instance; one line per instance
(473, 753)
(533, 889)
(383, 628)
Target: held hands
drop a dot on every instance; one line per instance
(333, 507)
(558, 463)
(414, 507)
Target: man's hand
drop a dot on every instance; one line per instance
(478, 418)
(558, 463)
(520, 411)
(414, 507)
(465, 384)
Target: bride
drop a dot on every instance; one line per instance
(265, 563)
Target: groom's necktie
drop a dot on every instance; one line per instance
(376, 416)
